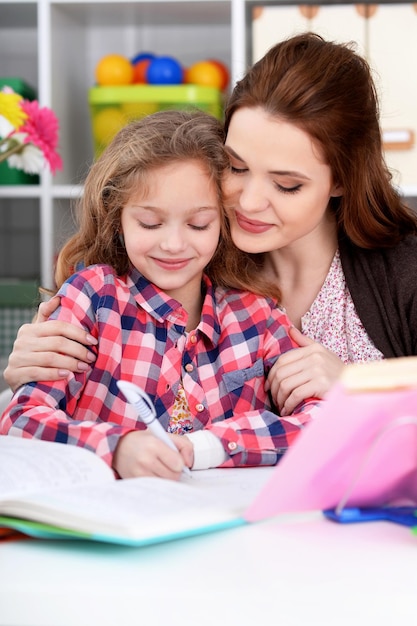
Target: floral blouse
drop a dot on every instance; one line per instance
(332, 320)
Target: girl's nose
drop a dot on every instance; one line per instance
(173, 241)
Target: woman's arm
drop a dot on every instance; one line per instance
(48, 350)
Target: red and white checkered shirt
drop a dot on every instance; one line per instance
(222, 364)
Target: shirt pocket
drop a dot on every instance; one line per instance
(246, 388)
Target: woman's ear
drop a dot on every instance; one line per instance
(336, 191)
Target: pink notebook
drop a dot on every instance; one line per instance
(362, 451)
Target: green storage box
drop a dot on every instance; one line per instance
(113, 107)
(18, 304)
(10, 175)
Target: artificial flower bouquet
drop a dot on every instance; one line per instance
(28, 134)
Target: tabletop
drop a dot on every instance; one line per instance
(289, 571)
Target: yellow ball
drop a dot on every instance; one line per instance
(204, 73)
(136, 110)
(114, 69)
(106, 123)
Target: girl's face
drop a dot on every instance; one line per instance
(172, 233)
(278, 186)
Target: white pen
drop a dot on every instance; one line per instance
(146, 413)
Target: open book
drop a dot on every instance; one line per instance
(53, 490)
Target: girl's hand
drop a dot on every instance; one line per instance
(48, 350)
(306, 372)
(140, 453)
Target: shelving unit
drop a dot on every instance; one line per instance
(54, 46)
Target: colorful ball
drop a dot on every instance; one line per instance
(136, 110)
(224, 71)
(164, 71)
(106, 123)
(140, 71)
(114, 69)
(142, 56)
(205, 73)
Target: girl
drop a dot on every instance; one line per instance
(162, 298)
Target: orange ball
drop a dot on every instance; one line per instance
(204, 73)
(224, 70)
(114, 69)
(139, 71)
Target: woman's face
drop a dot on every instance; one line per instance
(278, 186)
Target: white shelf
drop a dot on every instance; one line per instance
(54, 45)
(20, 191)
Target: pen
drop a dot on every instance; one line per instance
(405, 515)
(146, 413)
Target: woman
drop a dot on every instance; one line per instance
(310, 198)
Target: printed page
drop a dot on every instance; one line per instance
(146, 508)
(31, 465)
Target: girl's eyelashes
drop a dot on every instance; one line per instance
(195, 227)
(149, 226)
(155, 226)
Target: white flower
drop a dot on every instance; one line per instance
(30, 158)
(5, 126)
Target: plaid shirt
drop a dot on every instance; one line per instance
(222, 364)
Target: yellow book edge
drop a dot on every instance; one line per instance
(386, 375)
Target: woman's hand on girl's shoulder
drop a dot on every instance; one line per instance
(48, 350)
(307, 372)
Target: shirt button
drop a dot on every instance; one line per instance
(199, 407)
(189, 367)
(193, 339)
(232, 445)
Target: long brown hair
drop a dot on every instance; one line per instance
(154, 141)
(327, 90)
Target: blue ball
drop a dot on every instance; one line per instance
(142, 56)
(164, 71)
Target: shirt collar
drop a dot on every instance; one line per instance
(161, 307)
(209, 323)
(152, 299)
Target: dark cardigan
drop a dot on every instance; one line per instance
(383, 286)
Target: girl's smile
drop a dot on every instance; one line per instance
(172, 264)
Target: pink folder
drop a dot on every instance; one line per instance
(362, 451)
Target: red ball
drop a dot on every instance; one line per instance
(139, 71)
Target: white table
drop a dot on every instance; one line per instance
(285, 572)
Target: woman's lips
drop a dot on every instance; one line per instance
(172, 264)
(252, 226)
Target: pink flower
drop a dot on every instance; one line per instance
(41, 128)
